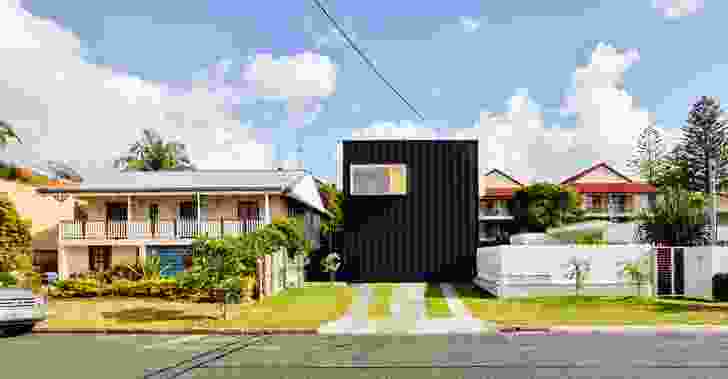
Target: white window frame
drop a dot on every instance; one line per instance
(402, 166)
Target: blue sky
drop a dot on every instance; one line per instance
(621, 64)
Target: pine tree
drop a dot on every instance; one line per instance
(649, 153)
(704, 137)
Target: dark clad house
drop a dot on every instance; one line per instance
(411, 210)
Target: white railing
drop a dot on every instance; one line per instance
(179, 229)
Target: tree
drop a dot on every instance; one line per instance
(704, 137)
(15, 236)
(333, 202)
(648, 153)
(7, 132)
(540, 206)
(678, 218)
(151, 153)
(673, 171)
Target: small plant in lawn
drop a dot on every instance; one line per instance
(638, 271)
(577, 269)
(331, 264)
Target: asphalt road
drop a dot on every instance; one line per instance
(520, 356)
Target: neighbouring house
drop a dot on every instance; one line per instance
(410, 209)
(44, 212)
(143, 214)
(495, 219)
(608, 193)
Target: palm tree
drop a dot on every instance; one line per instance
(7, 132)
(151, 153)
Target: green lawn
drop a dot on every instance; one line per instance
(435, 301)
(589, 310)
(296, 308)
(379, 304)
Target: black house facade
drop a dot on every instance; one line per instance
(410, 210)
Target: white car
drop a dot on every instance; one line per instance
(20, 310)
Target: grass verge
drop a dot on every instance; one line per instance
(296, 308)
(589, 310)
(436, 302)
(379, 304)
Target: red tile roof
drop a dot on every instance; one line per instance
(614, 188)
(592, 168)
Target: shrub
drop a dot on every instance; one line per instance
(720, 286)
(590, 240)
(15, 236)
(7, 280)
(121, 287)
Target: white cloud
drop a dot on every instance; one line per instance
(469, 24)
(678, 8)
(68, 109)
(517, 141)
(300, 76)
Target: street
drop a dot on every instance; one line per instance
(517, 356)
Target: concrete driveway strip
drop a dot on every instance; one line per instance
(357, 319)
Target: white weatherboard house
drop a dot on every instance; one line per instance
(158, 213)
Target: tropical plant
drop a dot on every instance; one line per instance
(704, 138)
(678, 218)
(577, 269)
(7, 133)
(151, 269)
(541, 206)
(648, 155)
(638, 270)
(331, 264)
(152, 153)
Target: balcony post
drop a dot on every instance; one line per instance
(83, 229)
(267, 209)
(174, 229)
(222, 227)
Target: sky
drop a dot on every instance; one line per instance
(547, 88)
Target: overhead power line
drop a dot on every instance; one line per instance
(363, 56)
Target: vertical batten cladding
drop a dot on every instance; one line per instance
(429, 233)
(434, 207)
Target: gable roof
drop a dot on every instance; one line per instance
(592, 168)
(497, 171)
(299, 184)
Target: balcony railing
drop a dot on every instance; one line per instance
(179, 229)
(490, 212)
